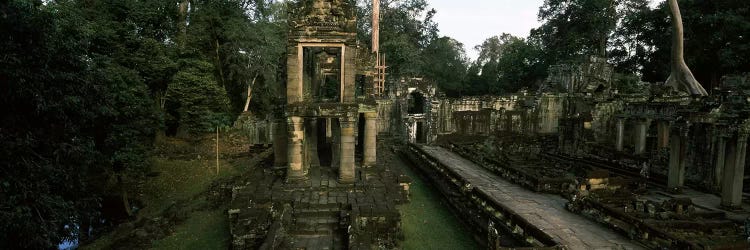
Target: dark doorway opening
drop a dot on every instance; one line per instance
(325, 143)
(361, 86)
(359, 149)
(322, 73)
(416, 103)
(420, 133)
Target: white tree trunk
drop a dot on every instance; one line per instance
(250, 93)
(681, 77)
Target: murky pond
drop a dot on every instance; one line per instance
(428, 222)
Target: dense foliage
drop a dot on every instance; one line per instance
(632, 35)
(88, 85)
(198, 102)
(74, 116)
(717, 40)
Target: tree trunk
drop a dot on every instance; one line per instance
(250, 92)
(124, 195)
(681, 77)
(218, 62)
(183, 9)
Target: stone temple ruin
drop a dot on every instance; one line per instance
(573, 165)
(326, 191)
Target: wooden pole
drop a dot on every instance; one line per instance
(217, 150)
(376, 26)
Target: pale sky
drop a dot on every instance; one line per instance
(472, 21)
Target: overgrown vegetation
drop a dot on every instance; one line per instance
(178, 207)
(89, 84)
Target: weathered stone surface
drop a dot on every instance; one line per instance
(543, 212)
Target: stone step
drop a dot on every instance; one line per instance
(316, 242)
(319, 220)
(302, 213)
(319, 206)
(315, 222)
(321, 230)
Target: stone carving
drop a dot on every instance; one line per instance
(323, 15)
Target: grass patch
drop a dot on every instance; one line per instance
(180, 180)
(203, 230)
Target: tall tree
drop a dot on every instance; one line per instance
(506, 64)
(715, 43)
(632, 42)
(407, 27)
(447, 65)
(244, 40)
(575, 28)
(77, 116)
(681, 77)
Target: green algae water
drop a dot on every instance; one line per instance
(428, 223)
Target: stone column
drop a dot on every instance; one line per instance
(280, 143)
(641, 129)
(677, 153)
(370, 140)
(347, 167)
(734, 172)
(294, 80)
(329, 131)
(413, 132)
(663, 134)
(509, 122)
(296, 139)
(721, 145)
(620, 134)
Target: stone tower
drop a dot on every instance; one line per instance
(325, 91)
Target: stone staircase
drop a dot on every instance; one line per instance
(317, 226)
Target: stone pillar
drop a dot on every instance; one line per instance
(677, 154)
(346, 166)
(280, 143)
(721, 145)
(296, 140)
(641, 129)
(620, 134)
(734, 172)
(329, 131)
(509, 122)
(311, 143)
(663, 134)
(294, 80)
(370, 140)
